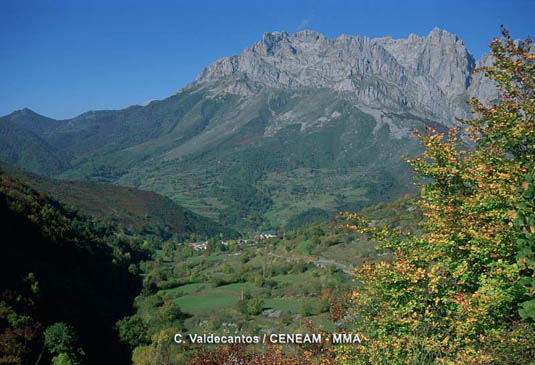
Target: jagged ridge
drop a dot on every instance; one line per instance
(431, 75)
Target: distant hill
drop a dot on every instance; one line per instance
(30, 120)
(136, 210)
(27, 149)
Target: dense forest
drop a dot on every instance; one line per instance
(65, 280)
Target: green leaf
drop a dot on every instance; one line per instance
(528, 310)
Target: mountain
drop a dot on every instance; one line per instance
(23, 146)
(297, 125)
(142, 212)
(29, 120)
(422, 74)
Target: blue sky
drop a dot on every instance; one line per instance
(62, 58)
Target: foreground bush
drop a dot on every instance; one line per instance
(455, 294)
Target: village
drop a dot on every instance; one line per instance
(204, 245)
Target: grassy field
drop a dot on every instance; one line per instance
(288, 284)
(293, 276)
(292, 305)
(200, 302)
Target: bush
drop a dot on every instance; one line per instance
(270, 284)
(286, 318)
(300, 267)
(324, 305)
(258, 280)
(219, 282)
(214, 323)
(168, 313)
(306, 309)
(453, 294)
(255, 306)
(241, 306)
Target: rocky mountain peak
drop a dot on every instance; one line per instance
(441, 56)
(437, 33)
(430, 74)
(303, 59)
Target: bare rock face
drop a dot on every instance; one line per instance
(430, 76)
(440, 56)
(482, 87)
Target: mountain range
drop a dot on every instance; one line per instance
(296, 127)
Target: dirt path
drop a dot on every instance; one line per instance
(320, 262)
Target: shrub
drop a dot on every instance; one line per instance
(255, 306)
(453, 294)
(306, 309)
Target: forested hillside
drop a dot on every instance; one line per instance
(137, 211)
(63, 272)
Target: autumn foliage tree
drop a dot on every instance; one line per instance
(463, 291)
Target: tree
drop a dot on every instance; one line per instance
(61, 340)
(169, 313)
(526, 243)
(64, 359)
(132, 331)
(453, 294)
